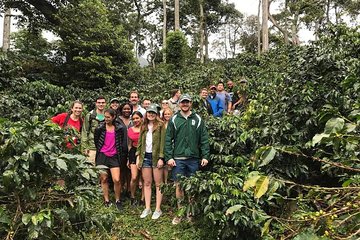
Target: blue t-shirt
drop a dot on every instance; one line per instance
(224, 99)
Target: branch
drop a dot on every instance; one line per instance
(276, 24)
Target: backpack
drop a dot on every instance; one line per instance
(91, 118)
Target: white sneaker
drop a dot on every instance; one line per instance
(145, 213)
(176, 220)
(156, 214)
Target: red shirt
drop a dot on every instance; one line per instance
(133, 136)
(60, 120)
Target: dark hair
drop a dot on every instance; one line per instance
(174, 91)
(74, 102)
(122, 106)
(99, 97)
(112, 112)
(221, 82)
(137, 113)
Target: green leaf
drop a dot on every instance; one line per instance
(26, 218)
(267, 156)
(317, 138)
(233, 209)
(34, 220)
(265, 228)
(334, 125)
(4, 218)
(261, 186)
(350, 127)
(61, 164)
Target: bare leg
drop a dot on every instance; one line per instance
(179, 194)
(134, 176)
(158, 178)
(147, 176)
(166, 173)
(104, 185)
(115, 173)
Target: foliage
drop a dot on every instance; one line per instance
(177, 49)
(33, 204)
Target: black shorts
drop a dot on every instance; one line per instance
(132, 157)
(110, 162)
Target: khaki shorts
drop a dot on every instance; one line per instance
(91, 156)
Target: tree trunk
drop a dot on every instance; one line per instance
(164, 31)
(201, 30)
(259, 30)
(177, 15)
(206, 42)
(265, 28)
(6, 30)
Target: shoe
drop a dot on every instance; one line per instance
(133, 202)
(176, 220)
(156, 214)
(107, 204)
(145, 213)
(118, 205)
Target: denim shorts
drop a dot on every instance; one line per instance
(185, 167)
(147, 163)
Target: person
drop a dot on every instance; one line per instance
(146, 103)
(224, 97)
(164, 105)
(215, 102)
(173, 101)
(186, 144)
(242, 101)
(108, 139)
(92, 120)
(72, 119)
(205, 105)
(233, 91)
(133, 139)
(114, 104)
(150, 158)
(134, 100)
(124, 118)
(166, 118)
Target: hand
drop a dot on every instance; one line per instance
(86, 152)
(160, 163)
(128, 164)
(204, 162)
(171, 163)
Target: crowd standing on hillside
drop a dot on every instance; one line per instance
(136, 145)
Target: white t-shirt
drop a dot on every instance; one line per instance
(149, 139)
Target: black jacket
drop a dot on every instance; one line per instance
(120, 141)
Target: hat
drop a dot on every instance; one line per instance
(185, 97)
(212, 86)
(114, 100)
(243, 81)
(152, 108)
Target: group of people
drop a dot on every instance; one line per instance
(129, 140)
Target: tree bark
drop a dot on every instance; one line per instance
(6, 30)
(259, 30)
(201, 30)
(164, 31)
(206, 41)
(265, 28)
(177, 15)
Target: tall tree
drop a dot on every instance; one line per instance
(164, 30)
(265, 28)
(6, 30)
(201, 31)
(177, 15)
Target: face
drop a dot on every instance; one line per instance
(108, 118)
(126, 111)
(146, 104)
(167, 115)
(164, 104)
(185, 106)
(136, 120)
(178, 94)
(213, 90)
(77, 109)
(134, 98)
(150, 116)
(114, 105)
(220, 87)
(230, 84)
(204, 94)
(100, 104)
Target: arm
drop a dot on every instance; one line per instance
(204, 142)
(169, 137)
(228, 99)
(97, 134)
(162, 141)
(220, 109)
(84, 134)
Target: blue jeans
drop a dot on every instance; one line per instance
(147, 163)
(185, 167)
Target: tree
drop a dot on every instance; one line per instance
(177, 15)
(265, 28)
(164, 30)
(6, 30)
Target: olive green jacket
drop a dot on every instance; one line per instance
(158, 143)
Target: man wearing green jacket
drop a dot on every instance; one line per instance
(186, 144)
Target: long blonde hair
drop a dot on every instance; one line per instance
(157, 123)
